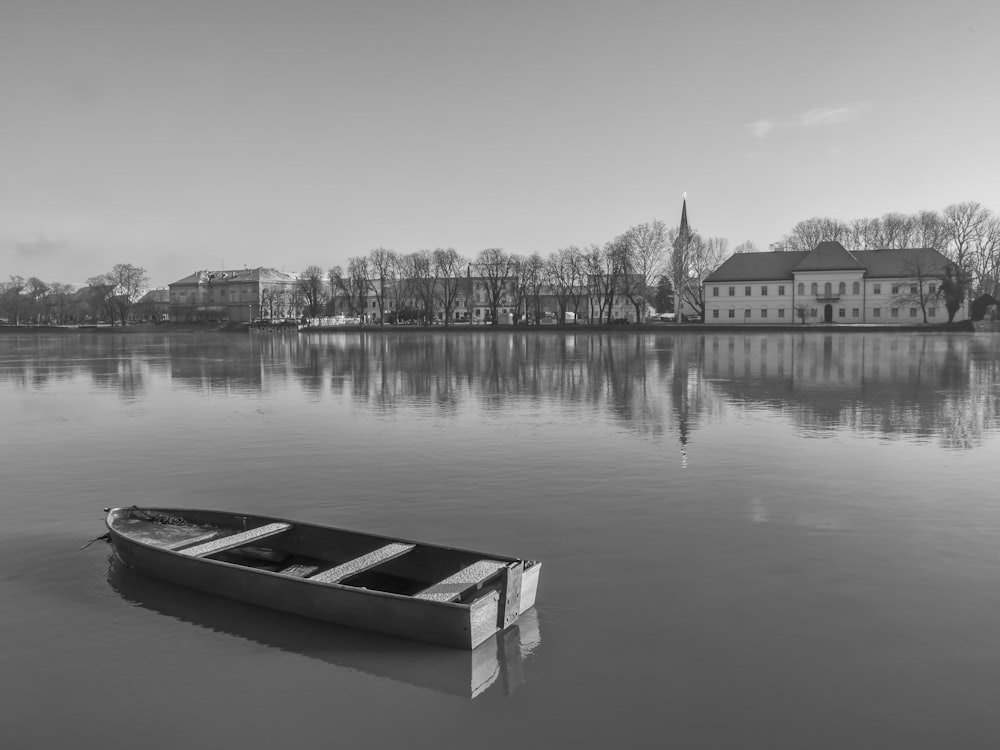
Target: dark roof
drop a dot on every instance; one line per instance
(829, 256)
(239, 276)
(906, 262)
(757, 266)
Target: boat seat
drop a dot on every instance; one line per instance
(452, 587)
(383, 554)
(235, 540)
(176, 545)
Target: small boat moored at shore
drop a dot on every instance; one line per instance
(425, 592)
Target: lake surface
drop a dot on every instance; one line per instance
(749, 540)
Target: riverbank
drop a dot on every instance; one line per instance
(964, 326)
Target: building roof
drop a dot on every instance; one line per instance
(906, 262)
(757, 266)
(829, 256)
(240, 276)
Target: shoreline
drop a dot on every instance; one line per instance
(965, 326)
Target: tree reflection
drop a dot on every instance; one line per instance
(660, 385)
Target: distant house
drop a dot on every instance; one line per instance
(153, 306)
(828, 284)
(234, 296)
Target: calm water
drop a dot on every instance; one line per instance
(762, 540)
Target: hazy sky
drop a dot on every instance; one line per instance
(180, 135)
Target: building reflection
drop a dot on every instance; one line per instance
(660, 386)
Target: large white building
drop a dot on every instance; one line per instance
(828, 285)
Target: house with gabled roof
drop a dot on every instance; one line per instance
(828, 284)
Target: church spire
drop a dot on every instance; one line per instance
(685, 230)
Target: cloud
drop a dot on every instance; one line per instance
(827, 116)
(38, 248)
(811, 118)
(761, 128)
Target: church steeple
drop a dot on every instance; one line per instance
(685, 231)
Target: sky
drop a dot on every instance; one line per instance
(179, 135)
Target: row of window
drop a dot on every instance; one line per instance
(827, 289)
(841, 312)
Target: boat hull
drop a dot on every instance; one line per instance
(456, 625)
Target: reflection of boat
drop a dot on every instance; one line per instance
(468, 674)
(420, 591)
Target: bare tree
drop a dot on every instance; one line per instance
(647, 246)
(13, 298)
(382, 265)
(604, 269)
(963, 224)
(705, 257)
(807, 234)
(450, 268)
(425, 282)
(101, 291)
(745, 247)
(566, 274)
(36, 290)
(352, 287)
(495, 266)
(986, 258)
(925, 272)
(533, 280)
(685, 248)
(313, 289)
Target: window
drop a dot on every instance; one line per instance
(715, 313)
(877, 289)
(781, 290)
(913, 312)
(802, 288)
(746, 313)
(812, 312)
(894, 312)
(932, 288)
(814, 289)
(877, 312)
(895, 288)
(931, 312)
(746, 291)
(763, 313)
(715, 291)
(828, 289)
(732, 291)
(913, 288)
(781, 312)
(855, 312)
(843, 288)
(842, 312)
(856, 288)
(732, 313)
(763, 291)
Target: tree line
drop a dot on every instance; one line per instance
(646, 265)
(110, 296)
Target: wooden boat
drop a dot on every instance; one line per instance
(425, 592)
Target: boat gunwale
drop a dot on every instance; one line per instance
(118, 534)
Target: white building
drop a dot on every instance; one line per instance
(829, 285)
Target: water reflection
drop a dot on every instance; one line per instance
(498, 663)
(896, 385)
